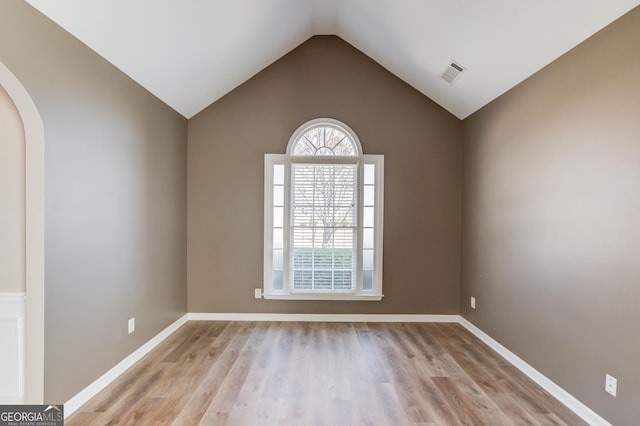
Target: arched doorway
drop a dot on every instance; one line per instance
(33, 235)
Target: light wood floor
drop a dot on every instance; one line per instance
(255, 373)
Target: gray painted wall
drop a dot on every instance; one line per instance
(325, 77)
(115, 201)
(551, 220)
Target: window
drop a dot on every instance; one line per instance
(323, 217)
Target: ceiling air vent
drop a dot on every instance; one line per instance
(453, 72)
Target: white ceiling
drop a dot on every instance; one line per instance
(190, 53)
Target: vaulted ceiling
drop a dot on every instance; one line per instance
(190, 53)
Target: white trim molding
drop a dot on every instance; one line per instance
(12, 356)
(324, 296)
(72, 405)
(586, 413)
(362, 185)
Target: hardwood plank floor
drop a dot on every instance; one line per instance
(282, 373)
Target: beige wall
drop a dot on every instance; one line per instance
(12, 218)
(551, 220)
(324, 77)
(115, 201)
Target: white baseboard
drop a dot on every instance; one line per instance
(560, 394)
(586, 413)
(324, 317)
(90, 391)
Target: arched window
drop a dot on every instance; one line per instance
(324, 138)
(323, 217)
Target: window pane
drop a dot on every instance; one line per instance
(302, 280)
(325, 141)
(278, 174)
(322, 280)
(278, 217)
(302, 237)
(304, 147)
(303, 216)
(343, 259)
(343, 194)
(323, 216)
(342, 280)
(333, 137)
(277, 280)
(367, 259)
(369, 174)
(367, 219)
(343, 238)
(278, 258)
(367, 280)
(367, 238)
(369, 195)
(278, 238)
(343, 216)
(278, 195)
(323, 224)
(302, 259)
(323, 259)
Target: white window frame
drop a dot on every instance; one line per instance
(271, 160)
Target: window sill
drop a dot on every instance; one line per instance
(325, 296)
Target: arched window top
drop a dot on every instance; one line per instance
(324, 137)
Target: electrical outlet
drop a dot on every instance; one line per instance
(611, 385)
(258, 293)
(132, 325)
(473, 302)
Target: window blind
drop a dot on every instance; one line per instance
(323, 228)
